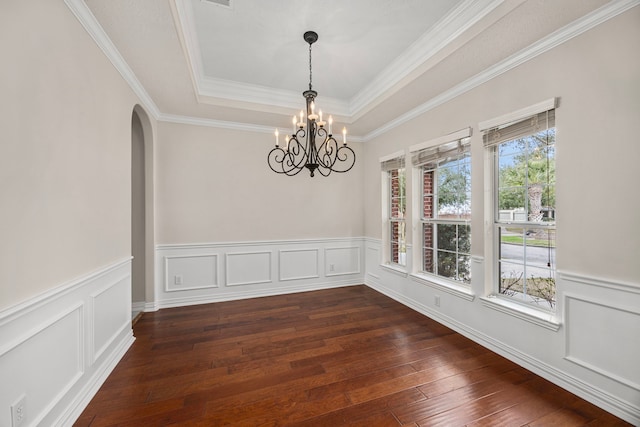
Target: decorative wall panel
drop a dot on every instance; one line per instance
(594, 329)
(298, 264)
(342, 261)
(248, 268)
(184, 272)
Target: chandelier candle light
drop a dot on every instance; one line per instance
(300, 149)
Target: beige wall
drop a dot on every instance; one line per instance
(597, 78)
(65, 126)
(214, 185)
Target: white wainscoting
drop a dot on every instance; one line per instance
(57, 349)
(254, 269)
(594, 353)
(589, 339)
(184, 272)
(372, 261)
(297, 264)
(342, 261)
(248, 268)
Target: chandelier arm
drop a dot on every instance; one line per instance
(291, 160)
(328, 152)
(278, 156)
(343, 154)
(297, 151)
(291, 169)
(324, 171)
(274, 154)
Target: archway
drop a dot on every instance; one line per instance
(142, 214)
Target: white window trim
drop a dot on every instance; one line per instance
(451, 286)
(392, 156)
(386, 224)
(442, 284)
(530, 313)
(520, 114)
(395, 269)
(455, 136)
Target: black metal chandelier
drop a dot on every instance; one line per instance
(300, 149)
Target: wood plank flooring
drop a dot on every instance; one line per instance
(348, 356)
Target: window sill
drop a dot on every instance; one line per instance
(529, 314)
(455, 289)
(395, 269)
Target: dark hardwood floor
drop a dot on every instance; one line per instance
(338, 357)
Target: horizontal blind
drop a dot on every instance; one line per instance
(520, 129)
(432, 155)
(391, 164)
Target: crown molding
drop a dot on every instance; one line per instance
(211, 89)
(221, 124)
(543, 45)
(465, 15)
(95, 30)
(182, 16)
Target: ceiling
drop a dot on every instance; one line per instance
(375, 62)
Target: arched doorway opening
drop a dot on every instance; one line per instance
(142, 229)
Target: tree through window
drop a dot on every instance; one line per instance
(525, 213)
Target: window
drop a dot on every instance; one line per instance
(523, 154)
(445, 212)
(396, 209)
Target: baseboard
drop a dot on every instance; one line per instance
(138, 306)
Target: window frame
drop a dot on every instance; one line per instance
(435, 221)
(388, 164)
(526, 307)
(398, 255)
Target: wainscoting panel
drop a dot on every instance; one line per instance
(51, 358)
(184, 272)
(594, 329)
(260, 268)
(111, 315)
(342, 261)
(57, 349)
(373, 259)
(248, 268)
(298, 264)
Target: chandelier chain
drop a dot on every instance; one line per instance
(310, 72)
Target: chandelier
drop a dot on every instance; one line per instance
(301, 149)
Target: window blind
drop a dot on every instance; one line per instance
(430, 156)
(393, 163)
(520, 129)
